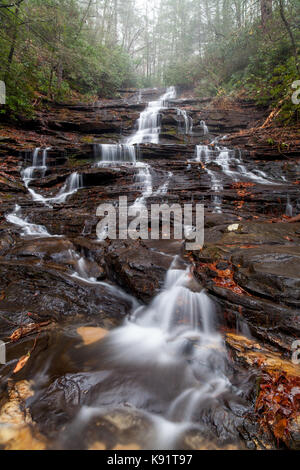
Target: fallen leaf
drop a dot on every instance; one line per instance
(22, 363)
(91, 335)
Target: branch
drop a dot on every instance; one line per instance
(83, 19)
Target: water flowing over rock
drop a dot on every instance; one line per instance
(187, 128)
(149, 122)
(114, 153)
(139, 343)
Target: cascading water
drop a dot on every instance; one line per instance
(228, 159)
(174, 342)
(231, 164)
(204, 127)
(148, 132)
(115, 153)
(205, 155)
(149, 122)
(39, 165)
(72, 184)
(168, 359)
(82, 273)
(163, 189)
(187, 120)
(144, 178)
(28, 229)
(176, 332)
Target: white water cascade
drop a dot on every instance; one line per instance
(168, 360)
(149, 122)
(175, 342)
(144, 178)
(82, 273)
(232, 165)
(187, 120)
(39, 165)
(205, 155)
(163, 189)
(115, 153)
(27, 229)
(148, 132)
(71, 186)
(204, 127)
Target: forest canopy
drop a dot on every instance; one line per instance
(59, 50)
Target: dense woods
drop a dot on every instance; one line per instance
(59, 49)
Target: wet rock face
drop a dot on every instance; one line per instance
(51, 294)
(271, 273)
(253, 269)
(139, 270)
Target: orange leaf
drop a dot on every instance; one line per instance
(22, 363)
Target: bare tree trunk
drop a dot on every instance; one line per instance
(266, 7)
(13, 44)
(288, 28)
(59, 75)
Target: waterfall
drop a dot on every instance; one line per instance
(81, 273)
(115, 153)
(173, 341)
(163, 189)
(148, 132)
(231, 165)
(149, 122)
(188, 121)
(28, 229)
(73, 183)
(39, 165)
(204, 127)
(205, 156)
(144, 178)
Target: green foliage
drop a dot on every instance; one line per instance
(246, 58)
(48, 51)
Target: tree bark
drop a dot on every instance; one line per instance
(290, 33)
(13, 43)
(266, 7)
